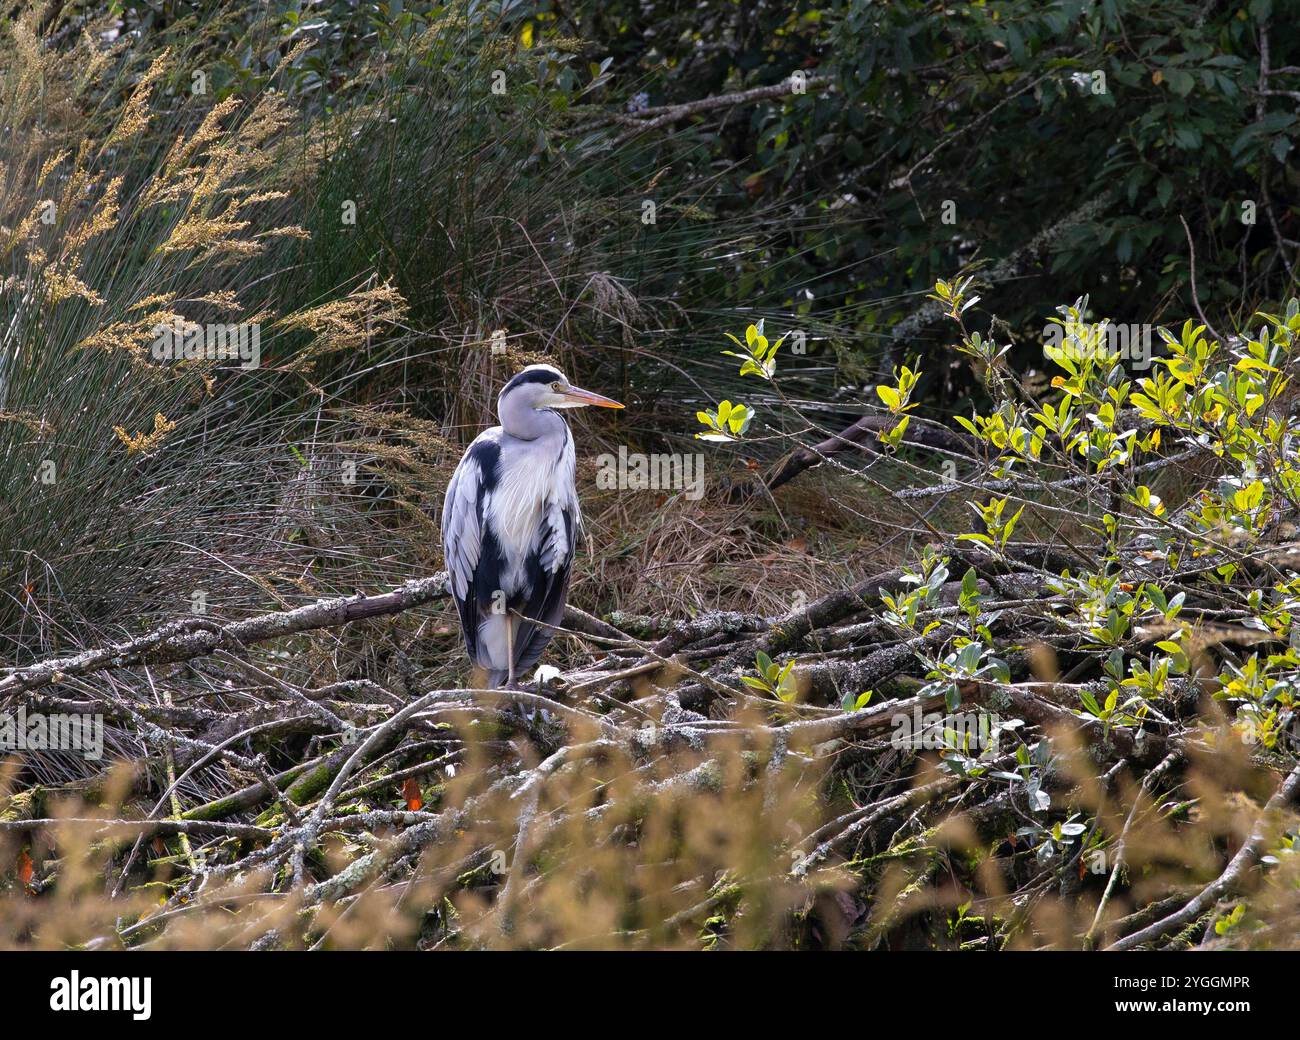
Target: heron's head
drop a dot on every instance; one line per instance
(544, 386)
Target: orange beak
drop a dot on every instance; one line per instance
(581, 397)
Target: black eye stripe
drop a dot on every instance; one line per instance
(536, 375)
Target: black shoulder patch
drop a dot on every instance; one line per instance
(487, 454)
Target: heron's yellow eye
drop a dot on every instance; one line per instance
(557, 386)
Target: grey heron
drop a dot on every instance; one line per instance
(510, 523)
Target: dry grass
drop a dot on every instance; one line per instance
(685, 851)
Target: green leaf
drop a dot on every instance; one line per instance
(1180, 81)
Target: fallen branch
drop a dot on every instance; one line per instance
(1265, 830)
(193, 637)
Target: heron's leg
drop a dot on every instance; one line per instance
(529, 715)
(510, 652)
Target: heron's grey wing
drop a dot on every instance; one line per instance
(462, 531)
(550, 589)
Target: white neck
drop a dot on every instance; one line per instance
(521, 420)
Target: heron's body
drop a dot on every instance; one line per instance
(510, 525)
